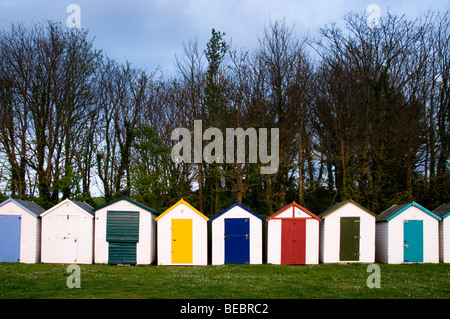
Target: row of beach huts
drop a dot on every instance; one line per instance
(127, 232)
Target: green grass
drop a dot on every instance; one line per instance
(48, 281)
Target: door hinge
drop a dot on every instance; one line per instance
(356, 220)
(357, 237)
(406, 246)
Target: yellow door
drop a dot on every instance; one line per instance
(182, 241)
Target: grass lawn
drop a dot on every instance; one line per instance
(48, 281)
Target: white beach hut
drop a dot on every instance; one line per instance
(293, 236)
(68, 233)
(236, 236)
(407, 233)
(444, 232)
(347, 234)
(125, 233)
(20, 231)
(182, 236)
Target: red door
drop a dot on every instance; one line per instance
(293, 241)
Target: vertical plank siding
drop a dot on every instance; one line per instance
(444, 240)
(79, 238)
(255, 240)
(125, 231)
(293, 236)
(390, 237)
(30, 228)
(182, 210)
(443, 212)
(330, 233)
(145, 238)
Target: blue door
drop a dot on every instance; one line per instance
(237, 240)
(9, 238)
(413, 241)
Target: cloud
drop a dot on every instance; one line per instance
(149, 33)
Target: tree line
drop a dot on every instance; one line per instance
(362, 113)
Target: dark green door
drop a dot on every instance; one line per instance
(122, 253)
(349, 239)
(122, 233)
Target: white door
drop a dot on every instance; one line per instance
(67, 238)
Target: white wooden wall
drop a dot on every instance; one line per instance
(444, 240)
(145, 248)
(218, 231)
(381, 242)
(199, 233)
(330, 234)
(394, 237)
(51, 250)
(30, 232)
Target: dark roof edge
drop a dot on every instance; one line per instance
(234, 205)
(340, 204)
(150, 210)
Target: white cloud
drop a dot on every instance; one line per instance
(149, 33)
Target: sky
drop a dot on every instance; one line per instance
(149, 33)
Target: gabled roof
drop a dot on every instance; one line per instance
(82, 205)
(442, 211)
(293, 204)
(181, 201)
(30, 207)
(396, 210)
(150, 210)
(236, 204)
(341, 204)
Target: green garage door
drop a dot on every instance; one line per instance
(122, 233)
(122, 253)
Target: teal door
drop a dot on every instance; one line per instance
(413, 241)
